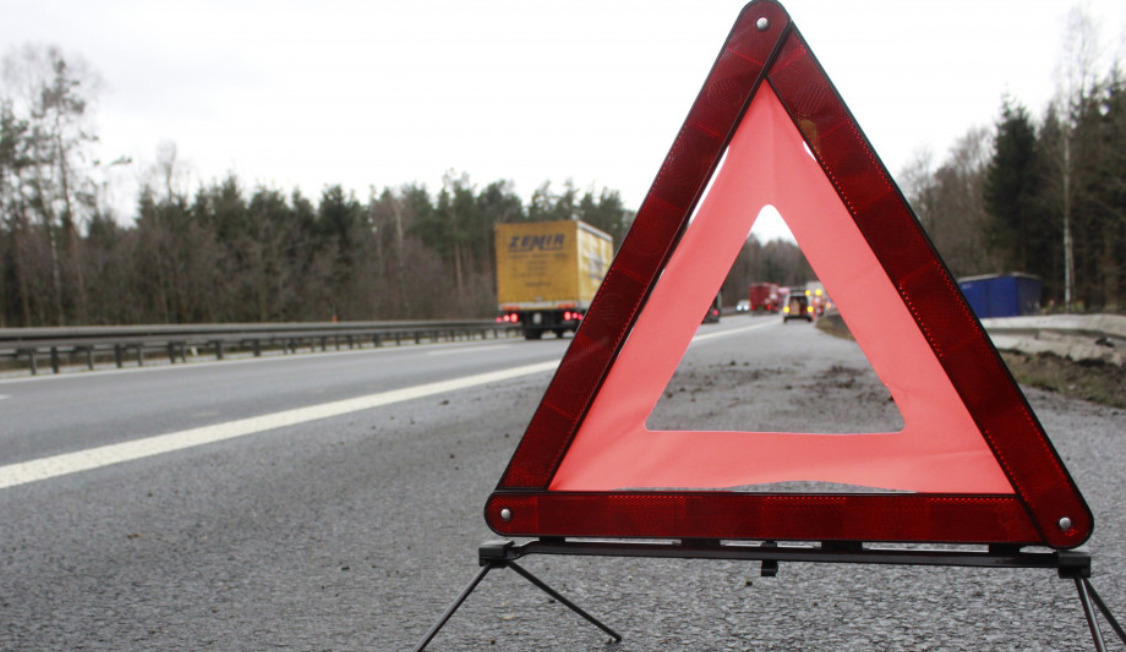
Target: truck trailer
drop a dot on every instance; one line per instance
(765, 296)
(1003, 295)
(548, 273)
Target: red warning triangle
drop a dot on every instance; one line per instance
(972, 463)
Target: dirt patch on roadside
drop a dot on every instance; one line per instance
(832, 324)
(805, 395)
(1093, 380)
(1098, 381)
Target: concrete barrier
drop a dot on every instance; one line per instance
(1076, 337)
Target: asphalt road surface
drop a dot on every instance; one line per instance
(333, 502)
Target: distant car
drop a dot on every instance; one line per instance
(797, 307)
(743, 306)
(712, 315)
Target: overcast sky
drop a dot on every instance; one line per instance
(294, 93)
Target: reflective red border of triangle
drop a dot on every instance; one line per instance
(1045, 494)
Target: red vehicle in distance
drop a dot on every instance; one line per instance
(765, 297)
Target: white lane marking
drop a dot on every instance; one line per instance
(4, 396)
(734, 331)
(472, 349)
(58, 465)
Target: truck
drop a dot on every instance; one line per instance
(548, 273)
(765, 296)
(817, 297)
(1003, 295)
(714, 311)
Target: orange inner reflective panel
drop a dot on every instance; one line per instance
(940, 448)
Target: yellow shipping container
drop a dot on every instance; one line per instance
(547, 267)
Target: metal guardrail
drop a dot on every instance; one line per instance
(1078, 337)
(89, 343)
(1096, 326)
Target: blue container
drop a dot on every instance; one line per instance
(1003, 295)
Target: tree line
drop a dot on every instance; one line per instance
(226, 253)
(1044, 196)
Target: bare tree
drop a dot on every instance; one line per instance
(1076, 83)
(52, 93)
(959, 217)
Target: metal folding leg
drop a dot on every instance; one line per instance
(453, 607)
(567, 603)
(1106, 613)
(1087, 595)
(496, 555)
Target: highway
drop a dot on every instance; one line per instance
(332, 501)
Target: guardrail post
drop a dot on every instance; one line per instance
(171, 353)
(89, 357)
(32, 361)
(141, 354)
(117, 355)
(218, 349)
(55, 359)
(376, 340)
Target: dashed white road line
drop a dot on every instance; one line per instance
(703, 337)
(52, 467)
(470, 349)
